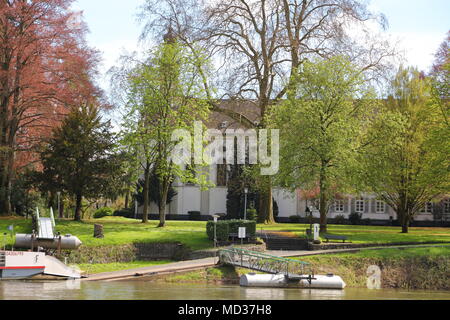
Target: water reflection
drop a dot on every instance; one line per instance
(140, 290)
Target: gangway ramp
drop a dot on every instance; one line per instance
(45, 226)
(294, 270)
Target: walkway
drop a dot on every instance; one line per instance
(186, 266)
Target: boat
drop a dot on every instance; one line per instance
(20, 265)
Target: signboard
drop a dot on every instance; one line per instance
(316, 232)
(242, 233)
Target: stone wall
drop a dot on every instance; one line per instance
(129, 253)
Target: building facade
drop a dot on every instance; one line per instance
(192, 198)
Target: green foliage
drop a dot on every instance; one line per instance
(408, 165)
(81, 157)
(250, 225)
(294, 219)
(355, 218)
(23, 199)
(252, 214)
(125, 213)
(228, 227)
(163, 94)
(154, 192)
(339, 219)
(321, 125)
(103, 212)
(222, 230)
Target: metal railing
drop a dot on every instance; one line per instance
(257, 261)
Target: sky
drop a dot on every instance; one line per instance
(419, 25)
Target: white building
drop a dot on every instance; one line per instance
(213, 201)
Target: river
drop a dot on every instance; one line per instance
(136, 290)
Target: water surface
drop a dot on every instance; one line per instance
(140, 290)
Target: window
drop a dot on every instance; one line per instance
(380, 206)
(222, 180)
(360, 206)
(428, 208)
(447, 206)
(339, 206)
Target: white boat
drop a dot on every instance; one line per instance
(18, 265)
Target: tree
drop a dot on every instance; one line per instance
(407, 166)
(260, 46)
(321, 127)
(154, 191)
(82, 156)
(45, 68)
(163, 94)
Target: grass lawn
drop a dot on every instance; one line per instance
(111, 267)
(193, 233)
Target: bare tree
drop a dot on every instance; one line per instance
(259, 46)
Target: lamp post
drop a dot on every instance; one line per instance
(245, 206)
(216, 217)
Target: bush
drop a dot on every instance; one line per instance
(250, 225)
(125, 213)
(355, 218)
(103, 212)
(367, 222)
(340, 219)
(222, 230)
(194, 215)
(294, 219)
(252, 215)
(227, 227)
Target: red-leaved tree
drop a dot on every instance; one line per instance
(46, 67)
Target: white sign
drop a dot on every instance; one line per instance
(316, 232)
(242, 233)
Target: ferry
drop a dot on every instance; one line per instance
(20, 265)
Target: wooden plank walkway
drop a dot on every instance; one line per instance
(176, 267)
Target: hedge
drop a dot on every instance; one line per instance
(222, 230)
(195, 215)
(103, 212)
(227, 227)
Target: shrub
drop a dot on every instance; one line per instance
(340, 219)
(355, 218)
(250, 225)
(252, 215)
(227, 227)
(194, 215)
(367, 222)
(294, 219)
(126, 213)
(103, 212)
(222, 230)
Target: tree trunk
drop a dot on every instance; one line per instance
(323, 200)
(162, 215)
(78, 204)
(162, 205)
(61, 209)
(266, 206)
(405, 229)
(127, 199)
(5, 205)
(403, 218)
(146, 196)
